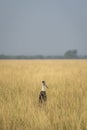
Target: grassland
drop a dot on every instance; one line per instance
(20, 84)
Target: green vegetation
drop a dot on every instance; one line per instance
(70, 54)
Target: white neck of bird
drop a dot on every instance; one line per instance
(43, 87)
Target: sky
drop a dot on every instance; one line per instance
(46, 27)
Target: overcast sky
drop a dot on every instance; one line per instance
(47, 27)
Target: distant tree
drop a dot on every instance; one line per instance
(71, 54)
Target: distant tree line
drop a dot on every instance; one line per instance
(70, 54)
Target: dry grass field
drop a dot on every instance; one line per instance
(20, 84)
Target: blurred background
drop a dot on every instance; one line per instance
(48, 27)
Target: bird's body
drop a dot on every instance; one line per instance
(42, 95)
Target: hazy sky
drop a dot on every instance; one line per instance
(48, 27)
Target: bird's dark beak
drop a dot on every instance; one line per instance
(46, 86)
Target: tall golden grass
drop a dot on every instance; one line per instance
(20, 84)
